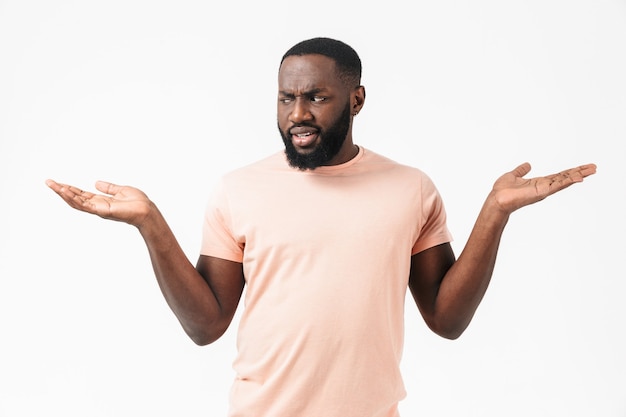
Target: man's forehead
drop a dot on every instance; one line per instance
(307, 72)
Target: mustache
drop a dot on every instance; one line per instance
(304, 124)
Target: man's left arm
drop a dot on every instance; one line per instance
(448, 291)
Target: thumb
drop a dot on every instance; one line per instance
(521, 170)
(107, 187)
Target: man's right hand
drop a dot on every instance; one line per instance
(119, 203)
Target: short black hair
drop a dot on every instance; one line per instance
(345, 57)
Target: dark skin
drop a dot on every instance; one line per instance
(204, 298)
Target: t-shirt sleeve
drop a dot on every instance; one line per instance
(218, 239)
(434, 230)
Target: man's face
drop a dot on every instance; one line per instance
(314, 112)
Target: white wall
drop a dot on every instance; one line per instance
(168, 95)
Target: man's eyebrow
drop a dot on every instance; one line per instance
(308, 93)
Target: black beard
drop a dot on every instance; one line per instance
(331, 141)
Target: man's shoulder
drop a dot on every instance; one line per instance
(387, 163)
(272, 161)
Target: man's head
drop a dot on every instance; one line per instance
(347, 61)
(319, 94)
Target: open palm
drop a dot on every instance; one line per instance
(512, 191)
(120, 203)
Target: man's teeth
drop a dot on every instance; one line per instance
(303, 135)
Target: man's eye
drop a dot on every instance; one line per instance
(318, 99)
(285, 100)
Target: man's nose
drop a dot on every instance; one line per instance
(301, 111)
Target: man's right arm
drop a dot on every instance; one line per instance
(203, 298)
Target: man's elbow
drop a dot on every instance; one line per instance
(205, 335)
(447, 330)
(201, 339)
(450, 335)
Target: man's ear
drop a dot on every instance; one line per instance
(358, 99)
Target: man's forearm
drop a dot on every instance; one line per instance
(464, 285)
(185, 290)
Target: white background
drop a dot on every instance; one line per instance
(168, 95)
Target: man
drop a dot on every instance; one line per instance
(326, 237)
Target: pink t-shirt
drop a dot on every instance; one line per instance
(326, 258)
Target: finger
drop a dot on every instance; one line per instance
(588, 169)
(108, 188)
(53, 185)
(572, 175)
(78, 192)
(73, 196)
(64, 190)
(521, 170)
